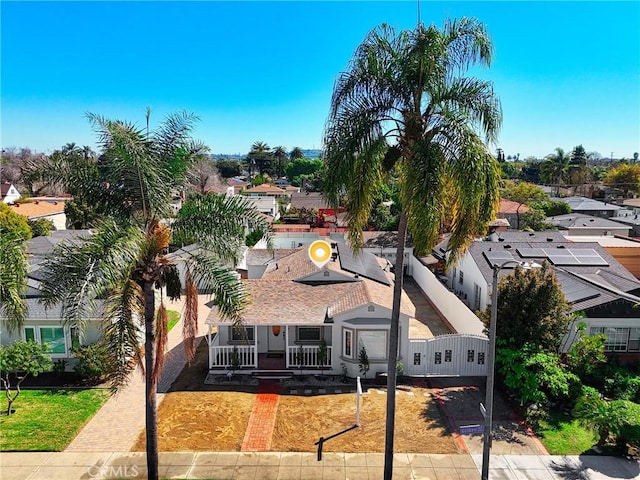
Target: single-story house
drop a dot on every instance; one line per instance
(589, 206)
(52, 210)
(297, 310)
(45, 325)
(593, 281)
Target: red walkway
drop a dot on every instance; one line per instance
(262, 421)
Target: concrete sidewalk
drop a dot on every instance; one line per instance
(338, 466)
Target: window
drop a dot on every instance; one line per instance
(53, 337)
(375, 343)
(347, 339)
(309, 334)
(242, 334)
(634, 339)
(461, 278)
(480, 358)
(477, 293)
(438, 358)
(416, 358)
(471, 355)
(617, 337)
(447, 355)
(326, 273)
(371, 308)
(29, 334)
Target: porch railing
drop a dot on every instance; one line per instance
(222, 356)
(307, 356)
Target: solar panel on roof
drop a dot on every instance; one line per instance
(565, 260)
(588, 256)
(575, 291)
(531, 252)
(365, 264)
(499, 257)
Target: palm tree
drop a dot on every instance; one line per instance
(13, 280)
(296, 152)
(280, 154)
(405, 104)
(555, 166)
(126, 260)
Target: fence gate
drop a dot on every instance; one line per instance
(455, 355)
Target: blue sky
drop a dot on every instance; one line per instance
(567, 73)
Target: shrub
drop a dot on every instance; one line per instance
(363, 362)
(629, 432)
(40, 227)
(93, 362)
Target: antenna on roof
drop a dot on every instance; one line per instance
(419, 22)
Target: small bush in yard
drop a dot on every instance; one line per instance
(93, 362)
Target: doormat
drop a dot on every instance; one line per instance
(275, 355)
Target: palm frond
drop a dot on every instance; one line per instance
(76, 275)
(218, 223)
(221, 282)
(190, 317)
(123, 331)
(13, 281)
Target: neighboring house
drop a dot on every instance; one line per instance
(593, 281)
(237, 185)
(45, 325)
(52, 210)
(9, 193)
(581, 224)
(588, 206)
(630, 218)
(282, 182)
(264, 190)
(384, 245)
(296, 307)
(266, 204)
(625, 250)
(511, 211)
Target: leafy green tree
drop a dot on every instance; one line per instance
(522, 193)
(535, 220)
(302, 166)
(531, 309)
(554, 168)
(260, 159)
(535, 376)
(126, 259)
(586, 354)
(625, 176)
(18, 361)
(41, 227)
(406, 103)
(228, 168)
(13, 224)
(551, 208)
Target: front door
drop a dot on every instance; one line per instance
(275, 338)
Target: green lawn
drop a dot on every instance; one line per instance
(173, 317)
(561, 435)
(47, 420)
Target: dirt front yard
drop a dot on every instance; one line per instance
(217, 421)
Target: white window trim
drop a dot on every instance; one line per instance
(38, 338)
(344, 342)
(248, 328)
(320, 334)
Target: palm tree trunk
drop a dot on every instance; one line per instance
(151, 420)
(393, 349)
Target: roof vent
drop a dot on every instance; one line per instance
(531, 234)
(561, 246)
(501, 239)
(549, 239)
(507, 246)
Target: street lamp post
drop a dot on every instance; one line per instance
(491, 360)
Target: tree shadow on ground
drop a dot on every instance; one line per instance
(572, 468)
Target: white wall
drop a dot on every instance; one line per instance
(293, 239)
(451, 308)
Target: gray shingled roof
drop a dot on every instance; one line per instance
(583, 204)
(579, 221)
(613, 274)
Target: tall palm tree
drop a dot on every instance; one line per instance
(405, 104)
(555, 166)
(296, 152)
(280, 154)
(126, 260)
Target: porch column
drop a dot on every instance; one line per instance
(255, 346)
(286, 345)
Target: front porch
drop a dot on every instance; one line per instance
(271, 348)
